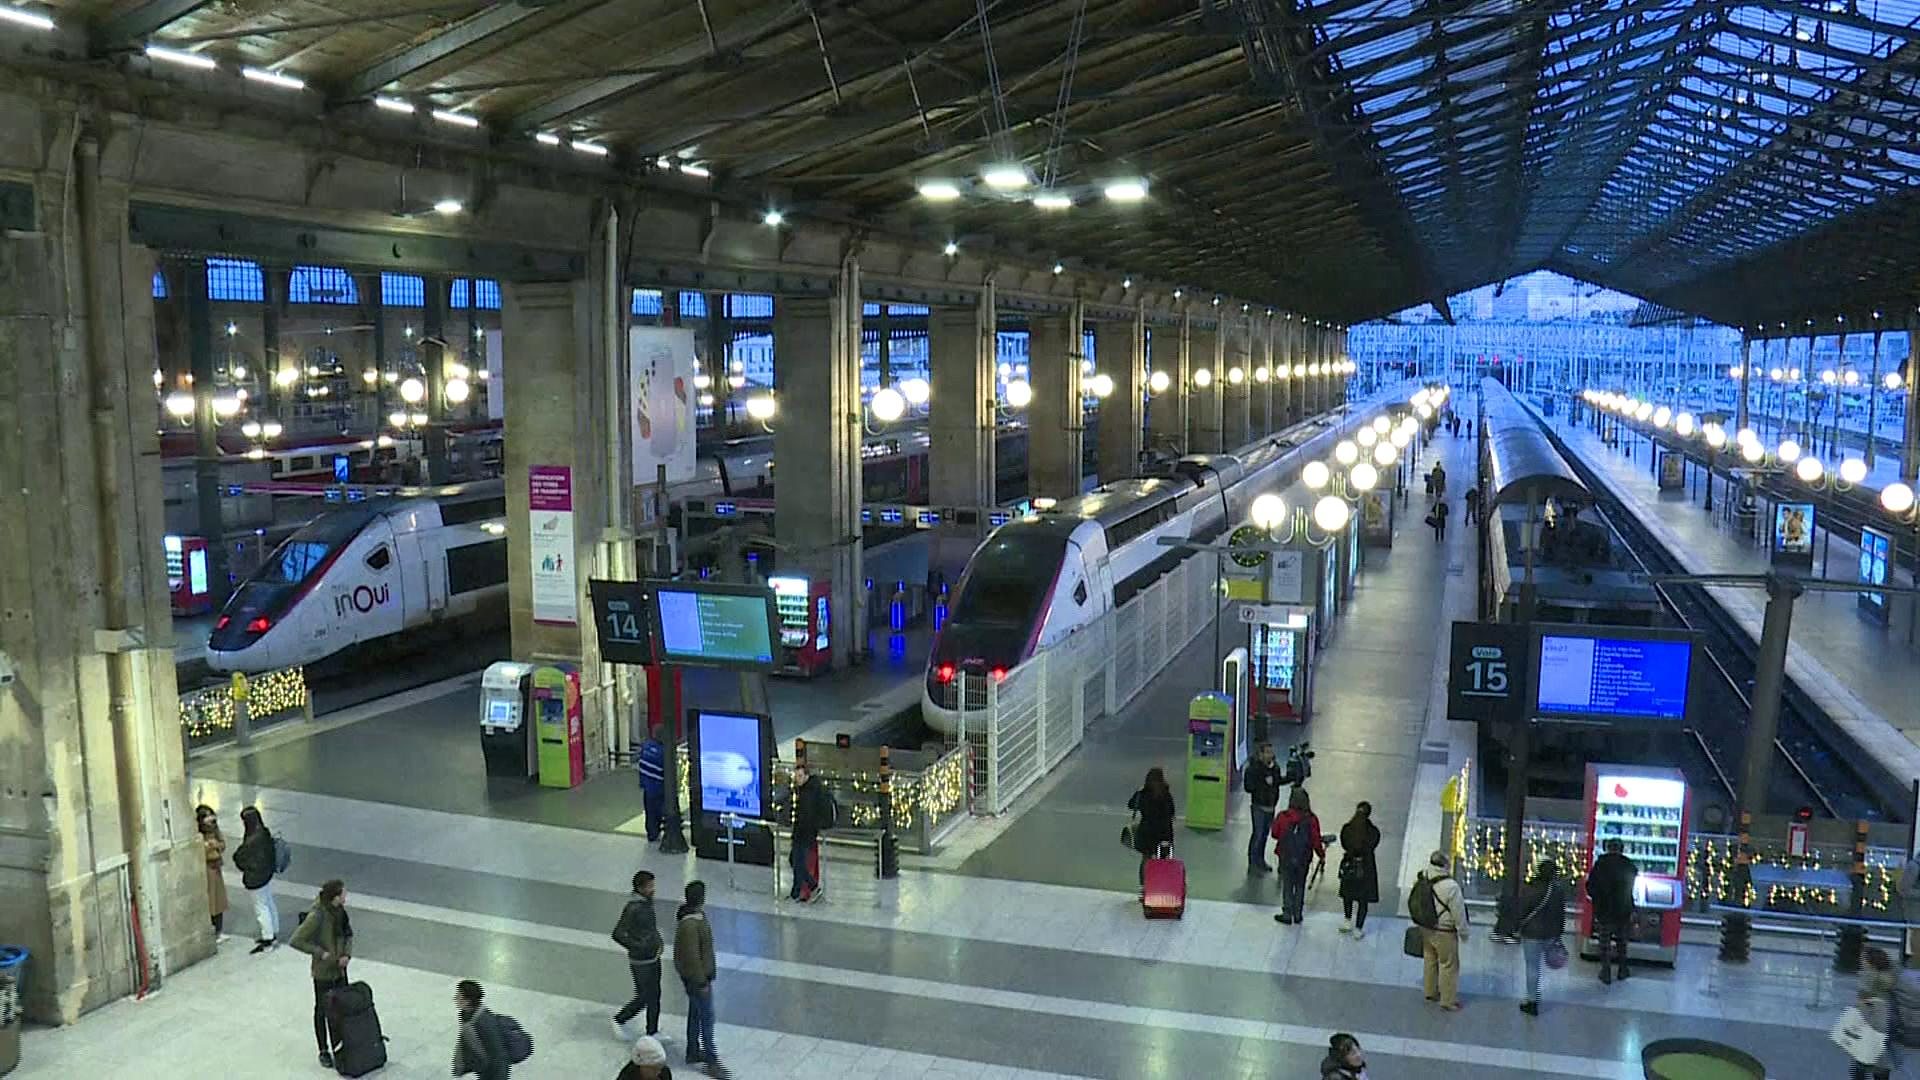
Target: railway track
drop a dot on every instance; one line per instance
(1814, 764)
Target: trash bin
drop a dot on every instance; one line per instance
(13, 964)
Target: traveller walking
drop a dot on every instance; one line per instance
(1296, 834)
(1610, 888)
(1154, 805)
(1344, 1060)
(1262, 781)
(638, 932)
(1439, 908)
(650, 760)
(1440, 512)
(326, 934)
(812, 813)
(1359, 872)
(1469, 429)
(1472, 501)
(1874, 999)
(648, 1061)
(693, 959)
(1439, 477)
(1544, 919)
(214, 846)
(480, 1048)
(254, 859)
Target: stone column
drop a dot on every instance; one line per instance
(1285, 356)
(433, 357)
(1260, 331)
(1206, 405)
(1236, 421)
(94, 804)
(1122, 349)
(1168, 414)
(960, 424)
(816, 450)
(1054, 420)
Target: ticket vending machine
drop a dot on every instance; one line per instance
(1648, 811)
(804, 607)
(506, 739)
(558, 724)
(1209, 716)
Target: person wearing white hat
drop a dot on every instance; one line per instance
(649, 1061)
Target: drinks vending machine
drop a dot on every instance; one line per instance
(803, 608)
(1648, 811)
(1280, 667)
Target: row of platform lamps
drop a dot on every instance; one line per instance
(1355, 469)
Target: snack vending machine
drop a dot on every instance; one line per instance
(803, 606)
(1647, 810)
(191, 592)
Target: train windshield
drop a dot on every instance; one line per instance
(1009, 578)
(264, 598)
(293, 562)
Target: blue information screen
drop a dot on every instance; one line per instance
(1614, 677)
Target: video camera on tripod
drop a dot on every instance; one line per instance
(1299, 764)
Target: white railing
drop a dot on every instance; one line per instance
(1038, 714)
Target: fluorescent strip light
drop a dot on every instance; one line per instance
(1053, 200)
(700, 171)
(1126, 191)
(1006, 177)
(590, 148)
(547, 138)
(175, 56)
(394, 105)
(273, 78)
(457, 119)
(25, 18)
(939, 190)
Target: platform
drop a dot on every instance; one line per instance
(1862, 673)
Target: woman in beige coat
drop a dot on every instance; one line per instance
(215, 848)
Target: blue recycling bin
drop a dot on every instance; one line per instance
(13, 968)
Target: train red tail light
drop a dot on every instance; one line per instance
(260, 625)
(221, 624)
(999, 674)
(944, 673)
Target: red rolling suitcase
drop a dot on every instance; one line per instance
(1164, 894)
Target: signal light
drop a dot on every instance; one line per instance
(999, 674)
(221, 623)
(260, 625)
(944, 673)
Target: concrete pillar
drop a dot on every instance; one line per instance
(209, 519)
(1262, 360)
(1120, 349)
(1168, 414)
(1054, 420)
(433, 357)
(960, 351)
(1204, 407)
(816, 450)
(1236, 394)
(94, 806)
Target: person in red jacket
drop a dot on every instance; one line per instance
(1296, 841)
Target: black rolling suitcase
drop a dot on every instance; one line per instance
(359, 1048)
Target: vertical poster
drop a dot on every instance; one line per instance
(1793, 534)
(496, 378)
(550, 543)
(663, 402)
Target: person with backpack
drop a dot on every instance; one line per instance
(257, 861)
(1154, 805)
(480, 1049)
(1359, 871)
(813, 813)
(638, 932)
(326, 935)
(1543, 919)
(694, 960)
(1610, 888)
(650, 761)
(1262, 780)
(1296, 834)
(1439, 908)
(1437, 520)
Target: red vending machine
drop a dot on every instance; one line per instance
(192, 593)
(803, 606)
(1648, 810)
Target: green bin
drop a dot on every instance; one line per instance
(1698, 1059)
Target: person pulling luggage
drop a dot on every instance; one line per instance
(1154, 805)
(326, 934)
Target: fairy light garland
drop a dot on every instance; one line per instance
(935, 793)
(210, 711)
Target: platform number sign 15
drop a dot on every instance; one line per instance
(620, 616)
(1486, 672)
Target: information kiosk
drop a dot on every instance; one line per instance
(557, 721)
(731, 755)
(506, 739)
(1209, 716)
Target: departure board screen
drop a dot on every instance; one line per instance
(1598, 677)
(709, 626)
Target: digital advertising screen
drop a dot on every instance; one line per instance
(1793, 532)
(1636, 676)
(1874, 548)
(733, 761)
(707, 625)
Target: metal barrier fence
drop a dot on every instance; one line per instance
(929, 796)
(1021, 726)
(219, 712)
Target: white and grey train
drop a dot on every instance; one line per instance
(366, 572)
(1037, 579)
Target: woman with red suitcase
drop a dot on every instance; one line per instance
(1153, 804)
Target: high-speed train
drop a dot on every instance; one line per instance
(366, 572)
(1039, 578)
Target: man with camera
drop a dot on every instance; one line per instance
(1262, 781)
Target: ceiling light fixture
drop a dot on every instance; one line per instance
(939, 190)
(951, 249)
(1126, 283)
(593, 148)
(25, 18)
(393, 104)
(700, 172)
(457, 119)
(448, 207)
(1127, 191)
(547, 138)
(1052, 200)
(173, 56)
(1059, 269)
(273, 78)
(773, 218)
(1006, 177)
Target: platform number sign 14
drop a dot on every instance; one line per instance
(1486, 672)
(621, 618)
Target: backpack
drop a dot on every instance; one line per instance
(1423, 906)
(1906, 1009)
(519, 1044)
(282, 855)
(1296, 842)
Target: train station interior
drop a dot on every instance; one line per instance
(831, 452)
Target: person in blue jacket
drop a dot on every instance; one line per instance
(651, 762)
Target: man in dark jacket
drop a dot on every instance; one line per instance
(1261, 782)
(812, 812)
(693, 959)
(325, 935)
(638, 932)
(254, 859)
(481, 1048)
(1610, 888)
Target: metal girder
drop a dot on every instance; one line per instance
(138, 23)
(467, 32)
